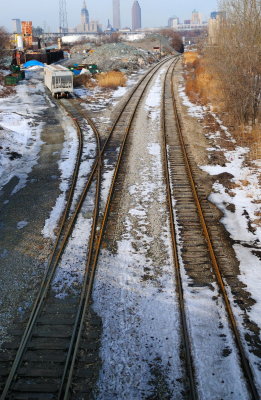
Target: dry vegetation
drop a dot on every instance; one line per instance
(201, 85)
(228, 73)
(85, 80)
(111, 79)
(175, 39)
(4, 43)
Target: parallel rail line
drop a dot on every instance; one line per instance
(178, 164)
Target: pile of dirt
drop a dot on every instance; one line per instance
(120, 56)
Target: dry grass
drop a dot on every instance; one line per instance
(111, 79)
(251, 138)
(203, 87)
(84, 80)
(200, 83)
(190, 57)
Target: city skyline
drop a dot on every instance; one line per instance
(152, 15)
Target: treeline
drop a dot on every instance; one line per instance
(235, 59)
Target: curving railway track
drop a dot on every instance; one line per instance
(39, 363)
(53, 357)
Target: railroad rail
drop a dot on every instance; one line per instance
(197, 243)
(43, 366)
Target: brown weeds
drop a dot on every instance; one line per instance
(111, 79)
(84, 80)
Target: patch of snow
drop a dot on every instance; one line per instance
(153, 100)
(76, 38)
(22, 224)
(194, 110)
(132, 37)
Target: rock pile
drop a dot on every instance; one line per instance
(119, 56)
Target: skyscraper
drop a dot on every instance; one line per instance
(17, 28)
(84, 18)
(116, 14)
(136, 16)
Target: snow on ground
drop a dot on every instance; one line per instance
(132, 37)
(87, 160)
(20, 133)
(70, 272)
(76, 38)
(241, 223)
(105, 98)
(134, 293)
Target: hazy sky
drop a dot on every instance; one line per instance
(154, 12)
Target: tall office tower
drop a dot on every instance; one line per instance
(17, 27)
(116, 14)
(136, 16)
(85, 17)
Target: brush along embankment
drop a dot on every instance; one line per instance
(204, 87)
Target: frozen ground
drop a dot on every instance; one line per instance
(66, 166)
(20, 130)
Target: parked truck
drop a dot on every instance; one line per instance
(59, 80)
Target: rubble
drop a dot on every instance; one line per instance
(120, 56)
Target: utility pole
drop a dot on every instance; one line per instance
(63, 22)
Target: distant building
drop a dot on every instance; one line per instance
(116, 14)
(216, 19)
(109, 27)
(84, 25)
(136, 16)
(17, 28)
(27, 33)
(187, 22)
(196, 18)
(173, 22)
(94, 26)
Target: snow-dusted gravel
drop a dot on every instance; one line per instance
(134, 292)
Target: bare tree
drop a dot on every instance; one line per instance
(175, 39)
(236, 58)
(4, 43)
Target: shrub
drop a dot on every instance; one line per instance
(86, 80)
(111, 79)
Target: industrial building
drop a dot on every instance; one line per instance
(136, 16)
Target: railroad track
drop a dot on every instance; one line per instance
(40, 362)
(198, 255)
